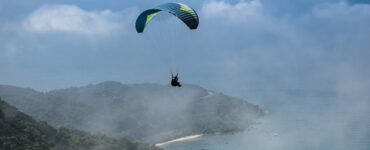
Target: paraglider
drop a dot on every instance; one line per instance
(175, 80)
(183, 12)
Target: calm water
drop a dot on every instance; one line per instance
(297, 120)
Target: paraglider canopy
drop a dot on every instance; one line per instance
(185, 13)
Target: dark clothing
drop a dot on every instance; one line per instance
(175, 82)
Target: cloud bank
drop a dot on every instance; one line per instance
(70, 18)
(238, 12)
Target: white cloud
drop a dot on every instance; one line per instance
(341, 10)
(238, 12)
(70, 18)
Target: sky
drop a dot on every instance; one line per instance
(249, 44)
(262, 50)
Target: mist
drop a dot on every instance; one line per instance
(305, 62)
(149, 113)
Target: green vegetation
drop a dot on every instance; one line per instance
(19, 131)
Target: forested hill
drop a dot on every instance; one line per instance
(19, 131)
(143, 112)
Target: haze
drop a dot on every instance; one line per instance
(265, 51)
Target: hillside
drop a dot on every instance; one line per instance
(143, 112)
(20, 131)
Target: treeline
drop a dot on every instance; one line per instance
(19, 131)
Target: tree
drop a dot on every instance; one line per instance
(1, 113)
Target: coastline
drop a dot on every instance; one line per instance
(185, 138)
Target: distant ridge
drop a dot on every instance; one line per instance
(143, 112)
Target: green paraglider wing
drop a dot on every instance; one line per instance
(182, 11)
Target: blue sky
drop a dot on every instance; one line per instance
(254, 44)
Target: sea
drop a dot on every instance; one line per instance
(296, 120)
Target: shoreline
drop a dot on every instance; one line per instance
(185, 138)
